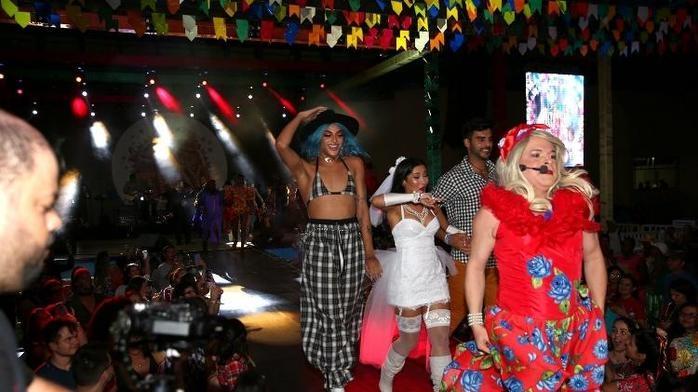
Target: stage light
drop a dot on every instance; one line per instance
(35, 112)
(322, 85)
(302, 98)
(142, 114)
(2, 76)
(204, 82)
(84, 93)
(168, 100)
(163, 130)
(146, 95)
(221, 103)
(20, 91)
(191, 115)
(79, 107)
(283, 115)
(237, 115)
(100, 139)
(264, 84)
(249, 96)
(233, 146)
(197, 95)
(78, 79)
(151, 81)
(68, 189)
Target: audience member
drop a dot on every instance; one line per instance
(231, 355)
(93, 370)
(629, 261)
(683, 350)
(84, 300)
(61, 339)
(632, 359)
(626, 304)
(139, 290)
(167, 264)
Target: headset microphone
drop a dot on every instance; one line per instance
(543, 169)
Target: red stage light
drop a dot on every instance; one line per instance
(283, 101)
(168, 100)
(221, 103)
(79, 107)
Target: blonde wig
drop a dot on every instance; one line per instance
(511, 177)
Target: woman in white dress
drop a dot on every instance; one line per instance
(414, 278)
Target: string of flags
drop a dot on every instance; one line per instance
(549, 27)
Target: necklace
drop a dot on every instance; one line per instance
(328, 159)
(421, 215)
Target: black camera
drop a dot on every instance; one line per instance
(179, 329)
(163, 322)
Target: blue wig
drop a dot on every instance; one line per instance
(310, 148)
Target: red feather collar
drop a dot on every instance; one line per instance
(570, 214)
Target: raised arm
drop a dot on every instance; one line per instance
(594, 268)
(283, 142)
(373, 267)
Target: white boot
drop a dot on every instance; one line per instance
(437, 366)
(392, 365)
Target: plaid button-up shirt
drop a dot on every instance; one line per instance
(460, 189)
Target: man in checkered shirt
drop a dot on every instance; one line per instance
(460, 189)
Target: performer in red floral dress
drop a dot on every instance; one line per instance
(546, 332)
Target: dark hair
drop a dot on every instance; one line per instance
(474, 124)
(684, 287)
(646, 342)
(403, 170)
(89, 363)
(232, 339)
(103, 317)
(136, 283)
(48, 290)
(50, 331)
(76, 271)
(188, 280)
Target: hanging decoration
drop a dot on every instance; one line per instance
(517, 27)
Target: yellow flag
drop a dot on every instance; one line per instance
(401, 41)
(422, 23)
(420, 9)
(358, 32)
(472, 10)
(452, 13)
(494, 5)
(219, 28)
(372, 19)
(397, 6)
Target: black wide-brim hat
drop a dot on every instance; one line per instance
(327, 117)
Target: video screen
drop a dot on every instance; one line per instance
(557, 100)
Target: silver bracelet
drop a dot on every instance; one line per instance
(416, 196)
(475, 319)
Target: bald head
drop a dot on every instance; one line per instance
(29, 183)
(18, 143)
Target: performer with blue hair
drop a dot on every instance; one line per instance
(337, 243)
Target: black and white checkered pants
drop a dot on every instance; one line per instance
(331, 297)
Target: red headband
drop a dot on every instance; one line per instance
(516, 134)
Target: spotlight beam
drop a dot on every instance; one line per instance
(399, 60)
(283, 101)
(345, 107)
